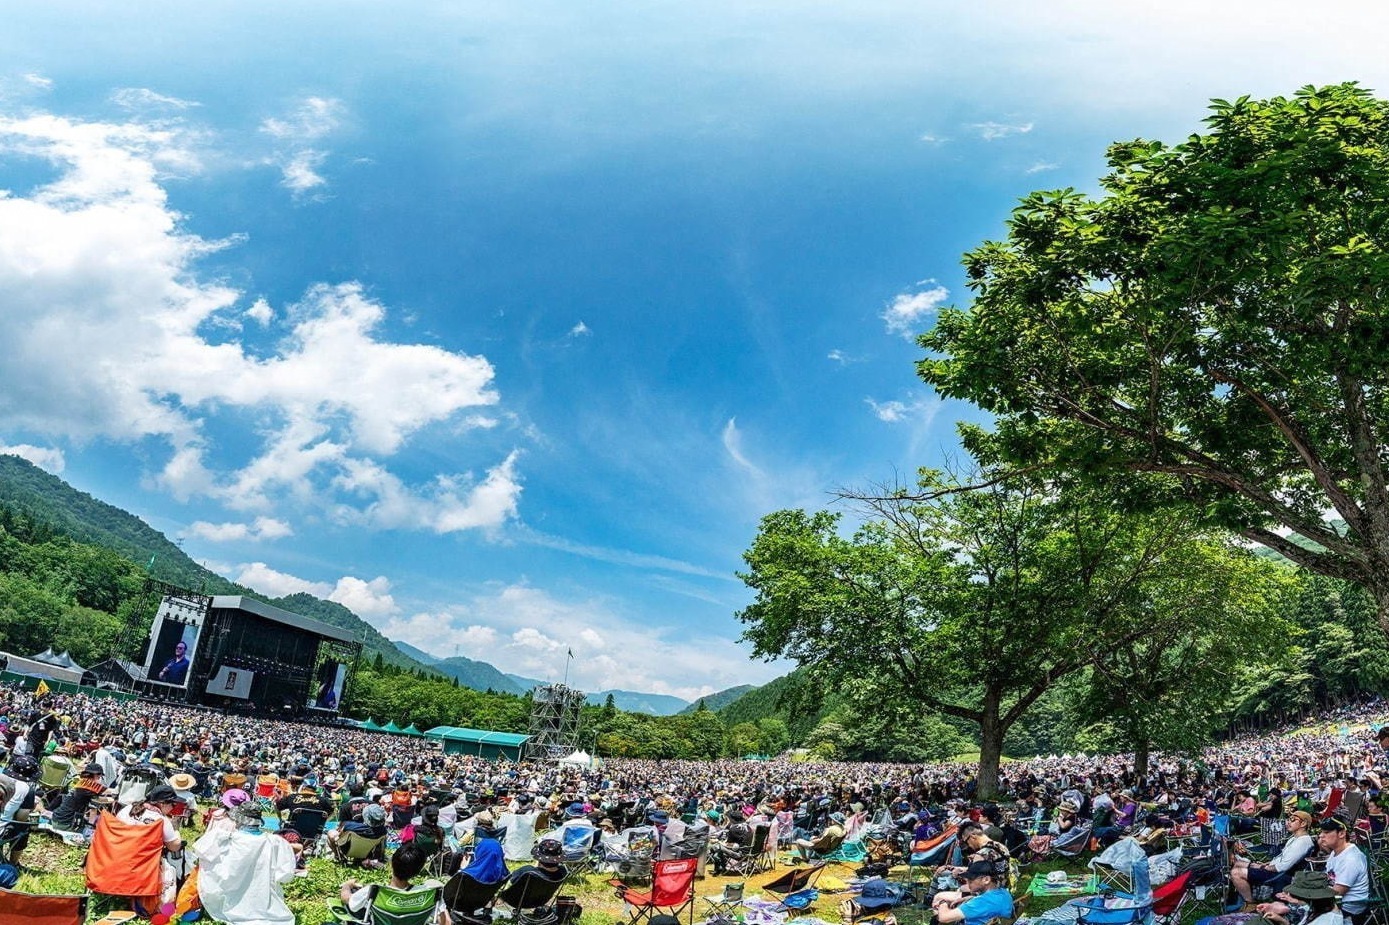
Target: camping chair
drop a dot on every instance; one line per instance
(850, 852)
(1352, 805)
(1114, 864)
(1072, 843)
(390, 906)
(309, 823)
(54, 773)
(579, 844)
(529, 894)
(928, 854)
(761, 854)
(672, 889)
(725, 905)
(465, 898)
(32, 909)
(798, 880)
(124, 859)
(1169, 898)
(352, 848)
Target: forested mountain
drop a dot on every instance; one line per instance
(73, 524)
(720, 699)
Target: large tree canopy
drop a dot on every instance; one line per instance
(973, 604)
(1219, 315)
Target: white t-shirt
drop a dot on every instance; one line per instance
(1294, 850)
(150, 816)
(1348, 869)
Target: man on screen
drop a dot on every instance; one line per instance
(176, 671)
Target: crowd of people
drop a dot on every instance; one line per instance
(405, 805)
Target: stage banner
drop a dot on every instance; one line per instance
(231, 682)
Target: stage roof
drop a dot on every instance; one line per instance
(269, 612)
(459, 734)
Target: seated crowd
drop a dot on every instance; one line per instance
(445, 827)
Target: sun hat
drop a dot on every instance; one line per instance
(837, 817)
(247, 815)
(875, 894)
(1311, 884)
(574, 810)
(373, 814)
(183, 781)
(234, 798)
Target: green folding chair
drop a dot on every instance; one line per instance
(389, 906)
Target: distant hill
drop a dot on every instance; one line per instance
(525, 682)
(720, 699)
(47, 498)
(419, 655)
(791, 698)
(634, 702)
(480, 676)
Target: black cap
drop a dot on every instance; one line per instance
(981, 869)
(161, 793)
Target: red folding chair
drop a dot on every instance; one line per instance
(672, 889)
(33, 909)
(1169, 898)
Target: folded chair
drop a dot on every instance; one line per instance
(725, 905)
(1169, 898)
(466, 898)
(1072, 843)
(761, 853)
(672, 890)
(795, 886)
(31, 909)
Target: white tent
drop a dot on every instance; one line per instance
(580, 759)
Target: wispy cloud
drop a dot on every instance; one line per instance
(933, 139)
(640, 560)
(916, 410)
(580, 330)
(1041, 167)
(733, 445)
(143, 98)
(298, 133)
(839, 356)
(905, 312)
(992, 131)
(38, 80)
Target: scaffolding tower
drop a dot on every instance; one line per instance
(554, 723)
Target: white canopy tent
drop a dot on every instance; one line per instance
(579, 759)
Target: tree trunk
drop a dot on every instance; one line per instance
(1140, 760)
(990, 744)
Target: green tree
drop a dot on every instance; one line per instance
(1216, 316)
(972, 604)
(1214, 608)
(772, 736)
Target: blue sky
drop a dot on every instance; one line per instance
(504, 324)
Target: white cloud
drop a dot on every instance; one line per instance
(1041, 167)
(916, 410)
(39, 81)
(315, 117)
(143, 98)
(296, 136)
(367, 599)
(261, 577)
(300, 173)
(906, 311)
(263, 528)
(45, 457)
(371, 600)
(934, 139)
(733, 445)
(580, 330)
(992, 131)
(526, 630)
(261, 312)
(96, 265)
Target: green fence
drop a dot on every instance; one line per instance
(29, 682)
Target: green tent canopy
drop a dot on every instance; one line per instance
(370, 725)
(391, 727)
(411, 730)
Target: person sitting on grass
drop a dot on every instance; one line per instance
(406, 865)
(242, 871)
(981, 899)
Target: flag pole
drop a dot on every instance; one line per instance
(569, 653)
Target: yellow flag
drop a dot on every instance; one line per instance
(41, 689)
